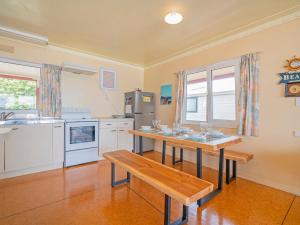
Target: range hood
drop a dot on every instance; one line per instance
(78, 69)
(24, 36)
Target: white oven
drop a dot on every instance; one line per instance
(81, 135)
(81, 141)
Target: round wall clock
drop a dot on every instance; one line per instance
(293, 64)
(292, 89)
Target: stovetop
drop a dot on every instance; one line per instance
(70, 120)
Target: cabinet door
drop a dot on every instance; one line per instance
(125, 140)
(107, 140)
(1, 153)
(28, 146)
(58, 142)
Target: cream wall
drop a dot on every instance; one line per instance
(81, 90)
(276, 151)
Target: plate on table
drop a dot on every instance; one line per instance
(147, 130)
(183, 137)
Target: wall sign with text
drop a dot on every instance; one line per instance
(291, 78)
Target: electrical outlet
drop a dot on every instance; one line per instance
(297, 133)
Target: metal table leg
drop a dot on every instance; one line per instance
(199, 167)
(220, 181)
(199, 162)
(181, 154)
(141, 145)
(163, 160)
(133, 149)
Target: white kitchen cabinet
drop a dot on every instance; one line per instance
(28, 146)
(113, 135)
(1, 153)
(108, 140)
(125, 140)
(58, 142)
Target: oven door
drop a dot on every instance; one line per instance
(81, 135)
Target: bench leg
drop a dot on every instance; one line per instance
(220, 181)
(174, 161)
(173, 155)
(113, 177)
(227, 171)
(233, 169)
(167, 216)
(233, 177)
(163, 160)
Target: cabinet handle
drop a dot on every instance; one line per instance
(113, 130)
(15, 128)
(108, 124)
(57, 126)
(126, 123)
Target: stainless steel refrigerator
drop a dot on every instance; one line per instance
(140, 106)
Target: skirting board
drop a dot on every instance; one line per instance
(37, 169)
(290, 189)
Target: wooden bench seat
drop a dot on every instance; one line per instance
(175, 184)
(235, 156)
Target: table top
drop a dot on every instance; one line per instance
(210, 144)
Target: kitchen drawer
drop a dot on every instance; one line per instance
(117, 124)
(126, 125)
(109, 124)
(81, 156)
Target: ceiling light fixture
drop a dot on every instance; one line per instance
(173, 18)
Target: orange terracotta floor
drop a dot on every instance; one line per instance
(82, 195)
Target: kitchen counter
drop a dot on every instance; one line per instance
(29, 121)
(103, 119)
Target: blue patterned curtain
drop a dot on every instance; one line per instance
(248, 106)
(49, 91)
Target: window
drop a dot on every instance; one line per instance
(211, 94)
(18, 86)
(196, 88)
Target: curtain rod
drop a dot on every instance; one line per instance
(199, 68)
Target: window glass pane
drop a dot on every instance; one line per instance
(223, 93)
(196, 89)
(18, 86)
(191, 104)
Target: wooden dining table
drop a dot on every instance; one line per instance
(211, 144)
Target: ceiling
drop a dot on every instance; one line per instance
(134, 31)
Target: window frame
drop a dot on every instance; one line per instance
(22, 63)
(210, 122)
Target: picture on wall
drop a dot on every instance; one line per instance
(108, 79)
(166, 94)
(291, 78)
